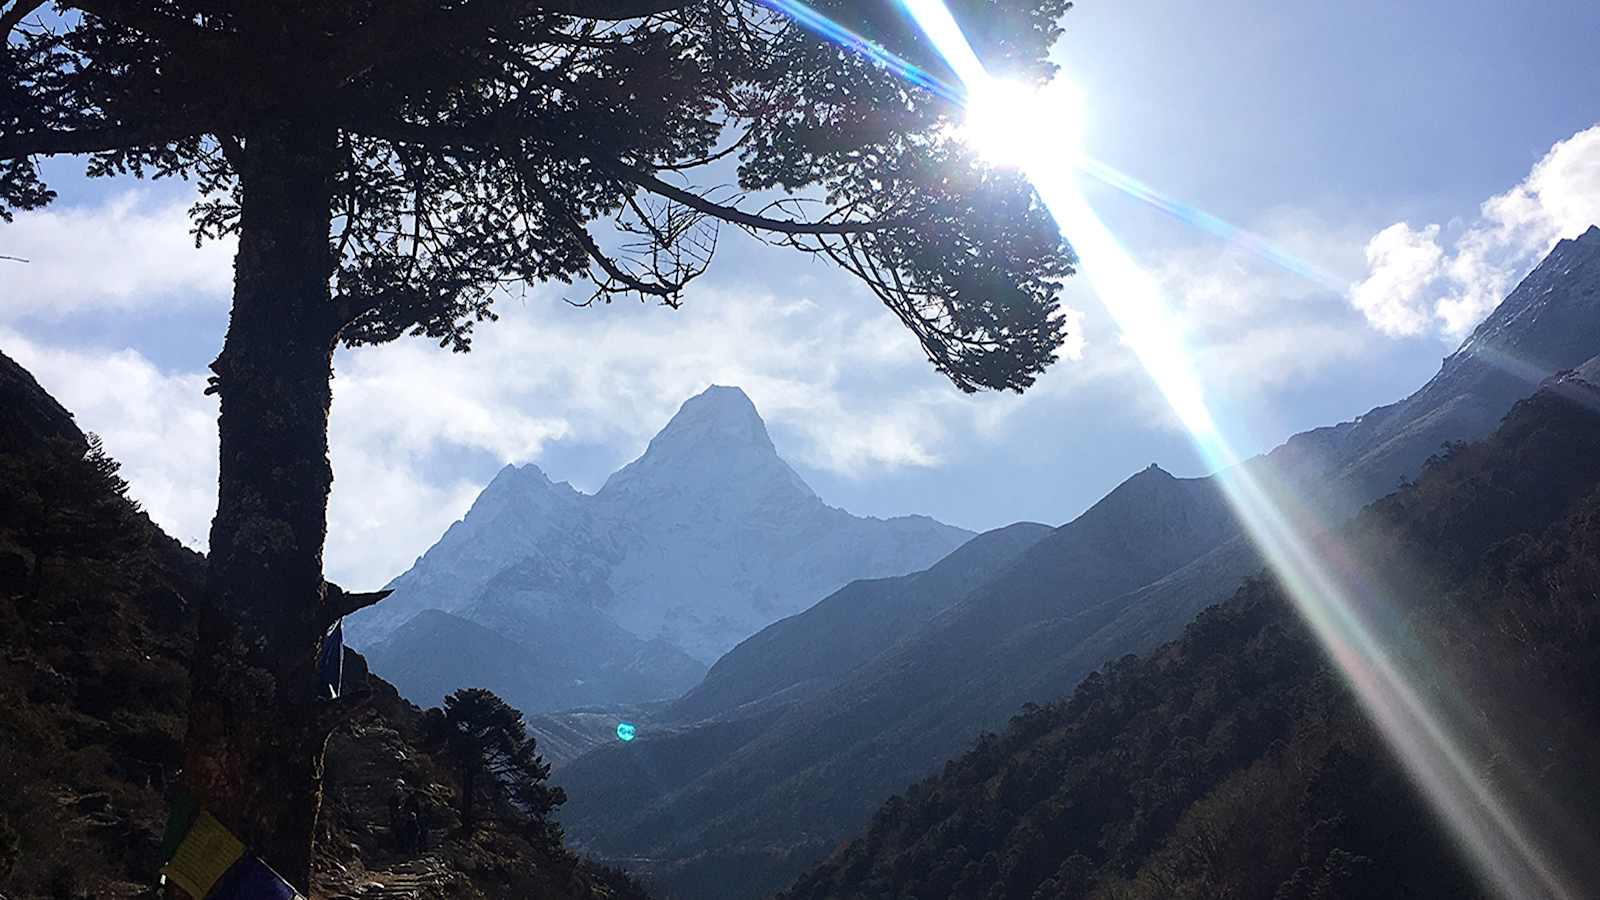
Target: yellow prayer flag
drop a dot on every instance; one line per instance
(205, 853)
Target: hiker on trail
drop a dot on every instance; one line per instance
(397, 804)
(409, 831)
(416, 811)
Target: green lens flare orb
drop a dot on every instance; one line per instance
(625, 731)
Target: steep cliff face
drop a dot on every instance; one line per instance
(730, 539)
(520, 520)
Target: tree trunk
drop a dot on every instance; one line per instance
(257, 721)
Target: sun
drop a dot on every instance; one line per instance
(1018, 125)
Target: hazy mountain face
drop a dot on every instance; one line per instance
(807, 653)
(1127, 575)
(701, 542)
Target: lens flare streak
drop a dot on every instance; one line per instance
(965, 63)
(1238, 237)
(1328, 585)
(825, 27)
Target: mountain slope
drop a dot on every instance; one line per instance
(521, 518)
(1033, 631)
(1235, 762)
(539, 643)
(29, 417)
(807, 652)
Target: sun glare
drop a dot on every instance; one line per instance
(1013, 124)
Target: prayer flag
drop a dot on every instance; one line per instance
(252, 879)
(330, 663)
(203, 856)
(184, 809)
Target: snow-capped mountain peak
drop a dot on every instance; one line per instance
(719, 414)
(703, 540)
(716, 446)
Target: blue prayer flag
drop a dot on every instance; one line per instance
(330, 663)
(252, 879)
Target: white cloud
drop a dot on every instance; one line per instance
(130, 251)
(1416, 282)
(840, 380)
(842, 375)
(1282, 352)
(160, 425)
(1253, 325)
(1402, 263)
(843, 384)
(1252, 328)
(162, 428)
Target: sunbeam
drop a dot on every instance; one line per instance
(1329, 584)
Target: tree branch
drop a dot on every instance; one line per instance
(611, 10)
(738, 216)
(487, 136)
(140, 17)
(470, 23)
(88, 140)
(338, 603)
(666, 290)
(13, 17)
(397, 36)
(347, 308)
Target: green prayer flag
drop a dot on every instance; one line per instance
(179, 819)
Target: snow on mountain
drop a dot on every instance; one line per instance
(706, 538)
(520, 519)
(1549, 323)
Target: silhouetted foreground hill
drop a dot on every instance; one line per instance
(95, 635)
(1235, 762)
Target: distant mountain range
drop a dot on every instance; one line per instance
(554, 598)
(767, 764)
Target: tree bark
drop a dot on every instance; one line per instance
(469, 799)
(258, 723)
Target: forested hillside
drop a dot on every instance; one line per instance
(1235, 762)
(96, 632)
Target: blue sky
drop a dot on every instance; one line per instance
(1424, 153)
